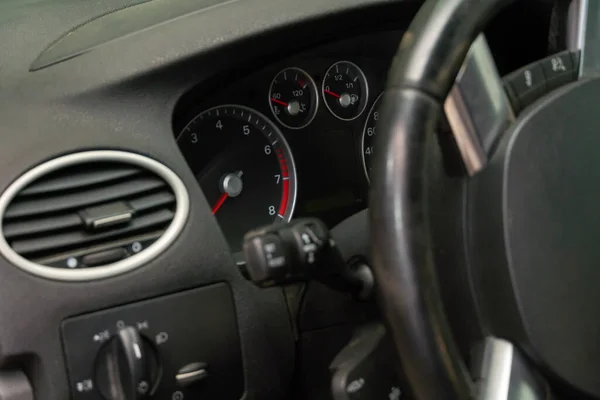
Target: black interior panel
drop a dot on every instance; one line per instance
(131, 86)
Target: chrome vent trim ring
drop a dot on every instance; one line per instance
(119, 267)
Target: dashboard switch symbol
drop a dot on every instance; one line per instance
(528, 78)
(177, 396)
(395, 393)
(85, 386)
(143, 387)
(558, 64)
(162, 338)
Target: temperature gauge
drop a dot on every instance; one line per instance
(345, 90)
(293, 98)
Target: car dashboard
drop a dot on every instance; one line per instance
(142, 140)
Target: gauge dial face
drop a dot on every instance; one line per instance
(368, 136)
(293, 98)
(345, 90)
(244, 166)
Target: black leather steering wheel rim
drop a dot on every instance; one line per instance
(423, 72)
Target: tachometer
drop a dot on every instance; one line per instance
(244, 166)
(345, 90)
(368, 136)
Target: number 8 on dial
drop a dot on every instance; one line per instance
(368, 136)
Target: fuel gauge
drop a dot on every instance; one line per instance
(345, 90)
(293, 98)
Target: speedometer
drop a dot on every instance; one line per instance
(244, 166)
(368, 136)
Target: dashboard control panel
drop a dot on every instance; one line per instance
(181, 346)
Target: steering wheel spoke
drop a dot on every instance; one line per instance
(584, 34)
(502, 373)
(477, 108)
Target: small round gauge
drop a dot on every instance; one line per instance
(244, 166)
(293, 98)
(345, 90)
(368, 136)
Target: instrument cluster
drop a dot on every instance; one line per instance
(290, 139)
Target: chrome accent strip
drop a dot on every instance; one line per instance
(194, 374)
(583, 34)
(477, 107)
(496, 368)
(575, 30)
(119, 267)
(112, 220)
(464, 132)
(503, 374)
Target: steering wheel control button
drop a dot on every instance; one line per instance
(191, 374)
(535, 80)
(559, 69)
(528, 84)
(152, 349)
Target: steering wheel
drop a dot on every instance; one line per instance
(523, 227)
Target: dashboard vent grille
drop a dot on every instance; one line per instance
(90, 212)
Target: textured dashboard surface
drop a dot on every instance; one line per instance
(121, 95)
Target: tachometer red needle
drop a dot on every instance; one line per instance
(331, 93)
(283, 103)
(220, 202)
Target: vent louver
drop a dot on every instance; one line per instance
(91, 215)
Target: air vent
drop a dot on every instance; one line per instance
(91, 215)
